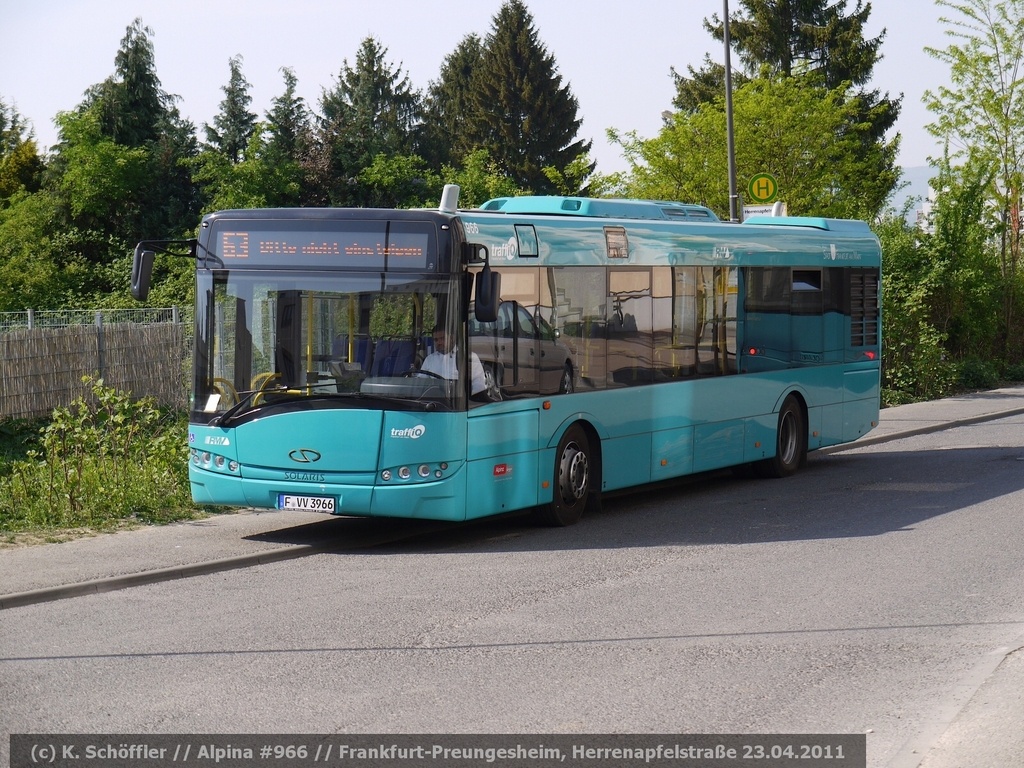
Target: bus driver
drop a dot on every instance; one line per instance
(443, 362)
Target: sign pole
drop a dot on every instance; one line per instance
(734, 206)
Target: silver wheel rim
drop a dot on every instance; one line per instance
(787, 439)
(573, 473)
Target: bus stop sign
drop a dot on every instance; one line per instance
(762, 188)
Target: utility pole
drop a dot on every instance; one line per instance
(734, 201)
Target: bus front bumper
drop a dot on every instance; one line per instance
(435, 500)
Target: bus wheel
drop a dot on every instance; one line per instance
(790, 442)
(573, 480)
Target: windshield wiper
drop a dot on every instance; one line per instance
(222, 419)
(226, 418)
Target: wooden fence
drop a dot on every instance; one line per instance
(42, 368)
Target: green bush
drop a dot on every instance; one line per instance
(1014, 372)
(98, 463)
(979, 374)
(894, 397)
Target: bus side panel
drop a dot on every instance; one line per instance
(620, 465)
(719, 445)
(861, 385)
(760, 437)
(502, 463)
(672, 453)
(831, 425)
(860, 409)
(814, 428)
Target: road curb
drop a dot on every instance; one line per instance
(114, 583)
(930, 429)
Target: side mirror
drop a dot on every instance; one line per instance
(488, 292)
(474, 253)
(142, 272)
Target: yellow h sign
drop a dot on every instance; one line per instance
(762, 188)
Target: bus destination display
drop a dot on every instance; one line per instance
(375, 249)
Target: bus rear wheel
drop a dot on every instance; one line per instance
(574, 480)
(790, 442)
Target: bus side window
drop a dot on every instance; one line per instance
(580, 295)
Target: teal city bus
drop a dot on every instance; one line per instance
(590, 346)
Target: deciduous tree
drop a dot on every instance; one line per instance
(802, 136)
(821, 44)
(980, 117)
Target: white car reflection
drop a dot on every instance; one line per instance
(523, 352)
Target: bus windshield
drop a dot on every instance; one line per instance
(270, 341)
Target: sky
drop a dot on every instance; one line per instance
(616, 56)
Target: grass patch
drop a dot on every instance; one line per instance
(103, 463)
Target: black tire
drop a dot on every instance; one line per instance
(790, 442)
(575, 481)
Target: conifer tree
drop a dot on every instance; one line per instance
(794, 37)
(449, 106)
(287, 120)
(132, 100)
(21, 167)
(234, 125)
(813, 39)
(522, 114)
(372, 110)
(118, 165)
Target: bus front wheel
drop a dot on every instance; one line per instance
(790, 442)
(575, 475)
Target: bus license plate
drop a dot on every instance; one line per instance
(305, 503)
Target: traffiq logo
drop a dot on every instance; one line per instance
(410, 433)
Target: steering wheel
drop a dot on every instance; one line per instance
(431, 374)
(261, 384)
(226, 390)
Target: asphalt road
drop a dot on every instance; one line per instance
(872, 593)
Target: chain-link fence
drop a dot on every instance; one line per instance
(63, 318)
(44, 356)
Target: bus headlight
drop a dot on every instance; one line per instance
(417, 473)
